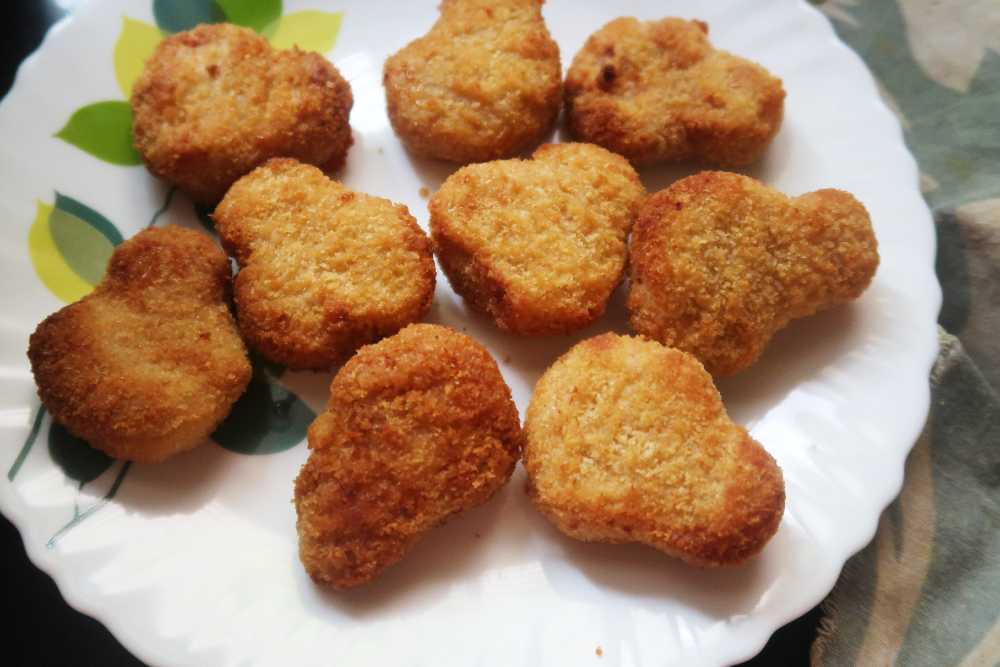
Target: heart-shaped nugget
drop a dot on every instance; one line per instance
(628, 441)
(719, 262)
(324, 269)
(419, 427)
(214, 102)
(538, 244)
(483, 84)
(658, 91)
(150, 362)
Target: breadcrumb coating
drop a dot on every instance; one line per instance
(539, 245)
(720, 262)
(658, 91)
(628, 441)
(149, 363)
(214, 102)
(483, 84)
(419, 427)
(324, 269)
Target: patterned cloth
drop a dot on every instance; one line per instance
(926, 591)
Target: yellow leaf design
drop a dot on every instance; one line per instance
(135, 44)
(49, 264)
(310, 30)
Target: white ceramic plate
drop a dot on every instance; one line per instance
(194, 562)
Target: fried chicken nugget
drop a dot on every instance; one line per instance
(720, 262)
(658, 91)
(483, 84)
(628, 441)
(419, 427)
(539, 245)
(214, 102)
(149, 363)
(324, 269)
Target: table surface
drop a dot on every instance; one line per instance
(45, 630)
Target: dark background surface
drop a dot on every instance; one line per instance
(42, 629)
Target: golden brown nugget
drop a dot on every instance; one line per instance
(324, 269)
(149, 363)
(214, 102)
(628, 441)
(658, 91)
(419, 427)
(483, 84)
(539, 245)
(720, 262)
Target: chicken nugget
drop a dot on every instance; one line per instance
(419, 427)
(483, 84)
(149, 363)
(720, 262)
(539, 245)
(658, 91)
(628, 441)
(214, 102)
(324, 269)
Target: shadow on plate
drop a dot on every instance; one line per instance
(431, 172)
(588, 571)
(179, 485)
(797, 353)
(527, 356)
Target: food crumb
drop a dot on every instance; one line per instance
(425, 193)
(478, 534)
(506, 358)
(599, 651)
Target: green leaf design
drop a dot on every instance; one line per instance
(261, 15)
(90, 216)
(103, 129)
(75, 457)
(179, 15)
(29, 442)
(49, 264)
(69, 245)
(267, 419)
(85, 249)
(309, 30)
(136, 43)
(80, 516)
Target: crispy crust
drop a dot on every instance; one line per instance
(214, 102)
(419, 427)
(719, 262)
(628, 441)
(539, 245)
(151, 362)
(483, 84)
(658, 91)
(324, 269)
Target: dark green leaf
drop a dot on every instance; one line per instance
(90, 216)
(85, 249)
(260, 15)
(179, 15)
(267, 419)
(77, 459)
(103, 129)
